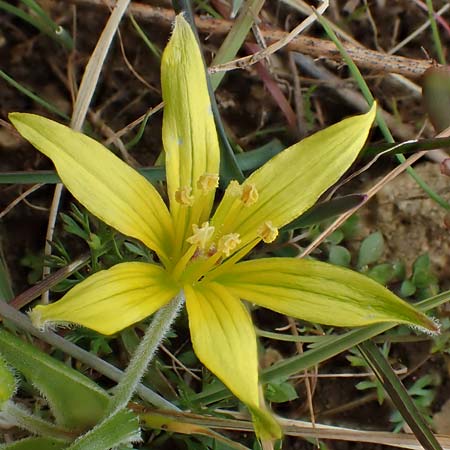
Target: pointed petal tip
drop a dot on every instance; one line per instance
(265, 424)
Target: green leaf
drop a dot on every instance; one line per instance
(339, 256)
(407, 288)
(326, 210)
(422, 273)
(399, 395)
(371, 249)
(35, 443)
(120, 428)
(75, 400)
(280, 392)
(382, 273)
(7, 383)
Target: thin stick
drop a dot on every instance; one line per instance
(318, 48)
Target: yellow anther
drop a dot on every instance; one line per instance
(208, 182)
(184, 196)
(249, 194)
(234, 189)
(201, 235)
(267, 232)
(228, 243)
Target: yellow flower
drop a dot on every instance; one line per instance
(198, 252)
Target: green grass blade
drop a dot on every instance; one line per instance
(151, 46)
(435, 33)
(32, 95)
(247, 161)
(42, 22)
(6, 292)
(235, 38)
(399, 395)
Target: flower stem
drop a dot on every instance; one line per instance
(144, 353)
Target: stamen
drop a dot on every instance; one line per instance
(208, 182)
(234, 189)
(249, 194)
(267, 232)
(201, 235)
(228, 243)
(184, 196)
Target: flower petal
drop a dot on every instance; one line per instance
(319, 292)
(293, 180)
(189, 132)
(224, 339)
(111, 300)
(105, 185)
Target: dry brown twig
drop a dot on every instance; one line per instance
(318, 48)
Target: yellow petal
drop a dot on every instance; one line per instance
(320, 293)
(189, 133)
(111, 300)
(224, 339)
(293, 180)
(105, 185)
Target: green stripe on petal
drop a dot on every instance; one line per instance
(189, 132)
(319, 293)
(293, 180)
(111, 300)
(105, 185)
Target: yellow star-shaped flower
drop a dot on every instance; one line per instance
(199, 251)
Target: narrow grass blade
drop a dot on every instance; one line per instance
(42, 22)
(32, 95)
(247, 161)
(326, 210)
(399, 395)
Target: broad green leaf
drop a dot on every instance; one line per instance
(105, 185)
(7, 383)
(75, 400)
(111, 300)
(319, 292)
(224, 340)
(35, 443)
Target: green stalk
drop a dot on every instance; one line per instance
(155, 334)
(435, 32)
(380, 120)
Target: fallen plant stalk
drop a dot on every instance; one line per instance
(319, 48)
